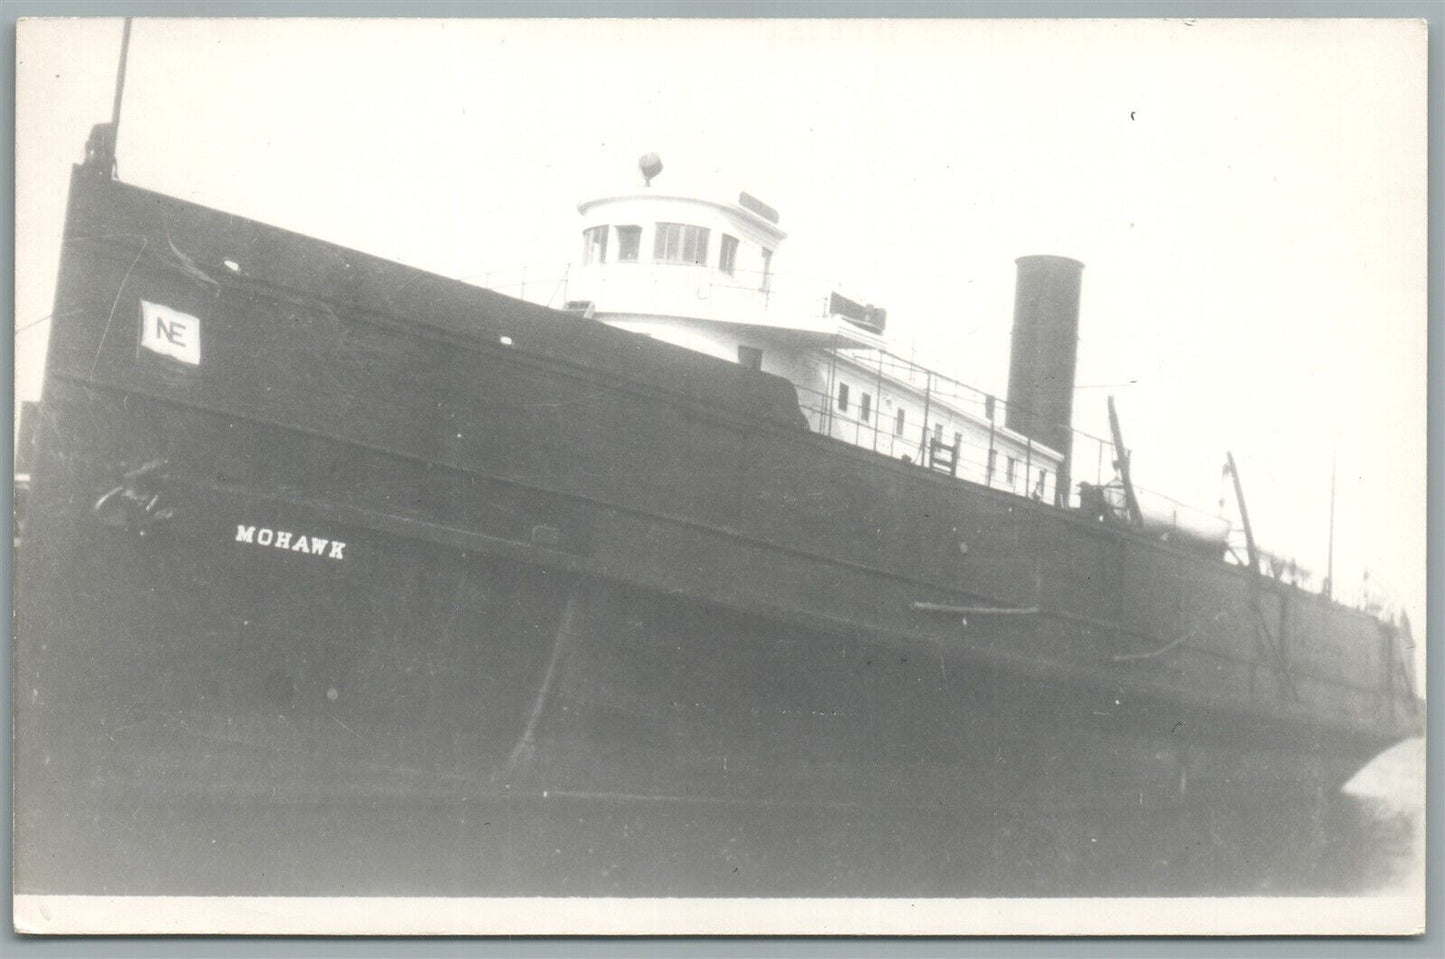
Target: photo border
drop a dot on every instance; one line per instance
(1429, 944)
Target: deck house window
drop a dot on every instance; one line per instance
(938, 433)
(1039, 489)
(680, 243)
(898, 422)
(1012, 471)
(843, 397)
(629, 242)
(594, 245)
(751, 357)
(767, 283)
(992, 464)
(727, 259)
(865, 408)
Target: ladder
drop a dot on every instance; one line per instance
(942, 457)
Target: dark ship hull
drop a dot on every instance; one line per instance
(398, 538)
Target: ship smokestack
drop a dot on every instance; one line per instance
(1045, 348)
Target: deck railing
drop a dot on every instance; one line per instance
(980, 455)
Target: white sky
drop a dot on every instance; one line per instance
(1248, 197)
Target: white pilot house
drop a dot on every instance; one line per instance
(700, 272)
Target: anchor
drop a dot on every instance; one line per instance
(136, 502)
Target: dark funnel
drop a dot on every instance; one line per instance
(1045, 348)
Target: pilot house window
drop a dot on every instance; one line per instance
(865, 408)
(680, 243)
(629, 241)
(594, 245)
(727, 258)
(843, 397)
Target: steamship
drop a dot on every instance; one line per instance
(305, 525)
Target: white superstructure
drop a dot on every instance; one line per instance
(702, 272)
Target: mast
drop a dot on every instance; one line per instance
(1262, 631)
(120, 78)
(1244, 515)
(1121, 458)
(100, 148)
(1330, 570)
